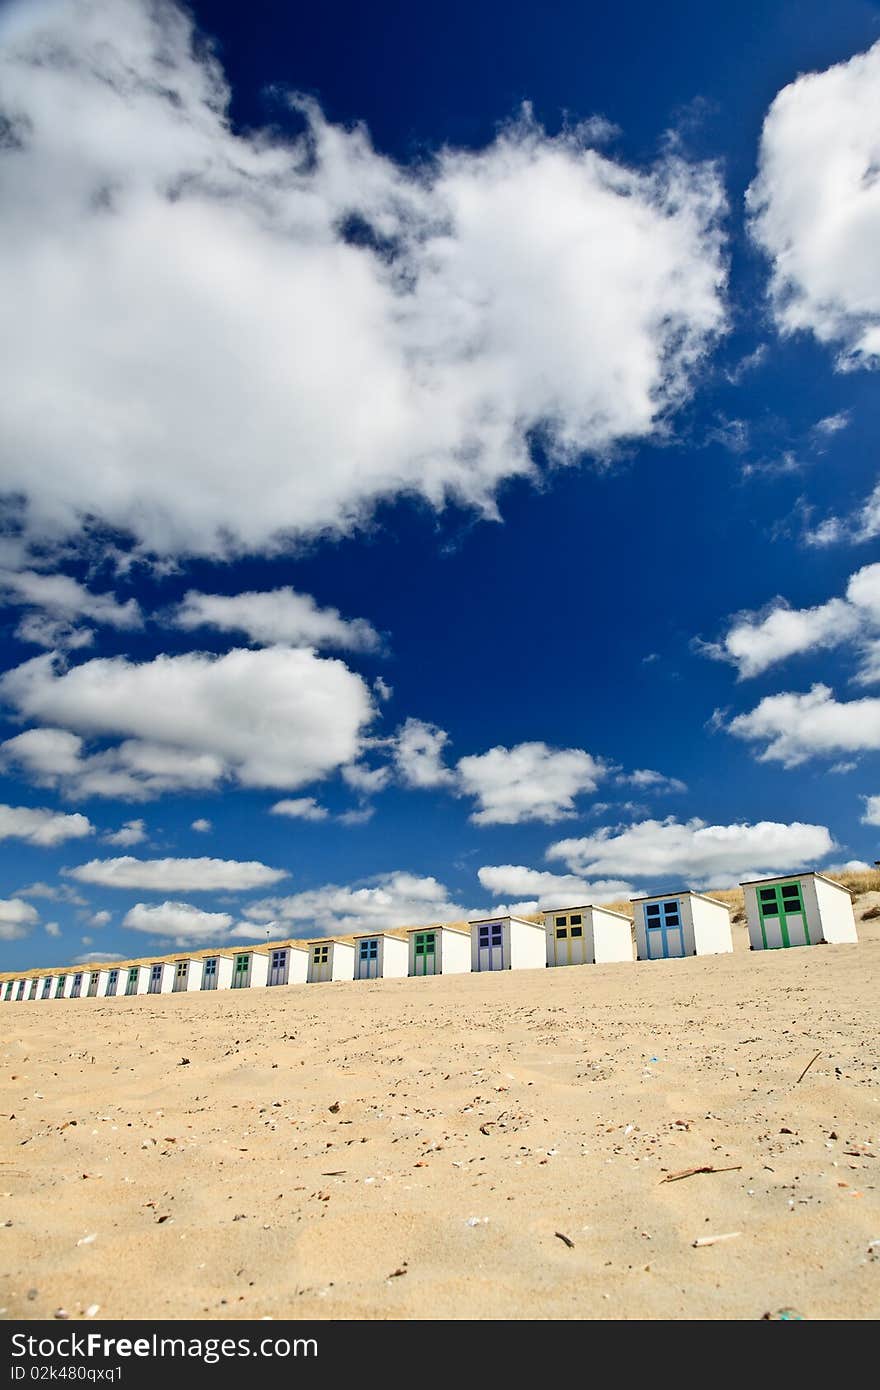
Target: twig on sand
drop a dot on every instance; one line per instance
(704, 1168)
(713, 1240)
(807, 1068)
(565, 1240)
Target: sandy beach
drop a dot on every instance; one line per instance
(418, 1148)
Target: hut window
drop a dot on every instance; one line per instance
(369, 950)
(211, 967)
(577, 931)
(576, 920)
(321, 954)
(560, 921)
(241, 964)
(181, 969)
(561, 931)
(157, 972)
(278, 959)
(491, 935)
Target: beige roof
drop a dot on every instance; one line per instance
(587, 907)
(399, 934)
(460, 927)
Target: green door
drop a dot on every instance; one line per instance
(241, 975)
(782, 916)
(425, 962)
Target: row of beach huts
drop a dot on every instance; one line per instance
(799, 910)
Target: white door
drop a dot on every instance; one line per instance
(490, 946)
(368, 959)
(278, 968)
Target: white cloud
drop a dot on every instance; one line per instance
(55, 892)
(41, 827)
(757, 641)
(549, 890)
(300, 808)
(87, 940)
(277, 616)
(180, 922)
(275, 717)
(176, 875)
(528, 782)
(359, 816)
(16, 918)
(52, 929)
(794, 727)
(872, 811)
(862, 525)
(702, 855)
(56, 602)
(276, 374)
(133, 832)
(97, 957)
(815, 206)
(832, 424)
(395, 899)
(851, 866)
(418, 755)
(366, 780)
(649, 780)
(100, 919)
(202, 825)
(383, 690)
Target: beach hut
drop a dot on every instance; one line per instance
(135, 977)
(288, 963)
(798, 910)
(250, 967)
(46, 987)
(444, 949)
(211, 970)
(111, 982)
(33, 985)
(76, 984)
(161, 980)
(383, 954)
(587, 936)
(331, 958)
(187, 974)
(9, 989)
(681, 924)
(63, 985)
(97, 982)
(508, 943)
(21, 986)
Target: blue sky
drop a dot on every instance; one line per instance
(439, 461)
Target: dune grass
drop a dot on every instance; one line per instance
(858, 881)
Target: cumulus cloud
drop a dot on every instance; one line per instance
(300, 808)
(546, 890)
(177, 875)
(795, 727)
(756, 641)
(395, 899)
(275, 717)
(418, 755)
(16, 918)
(41, 827)
(649, 780)
(133, 832)
(58, 602)
(277, 616)
(97, 957)
(52, 929)
(181, 923)
(528, 782)
(202, 825)
(815, 206)
(205, 306)
(701, 855)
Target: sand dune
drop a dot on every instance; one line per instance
(411, 1148)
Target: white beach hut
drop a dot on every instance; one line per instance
(250, 967)
(63, 984)
(33, 986)
(383, 954)
(97, 983)
(331, 958)
(45, 990)
(77, 984)
(20, 988)
(587, 936)
(443, 949)
(135, 978)
(508, 943)
(288, 963)
(798, 910)
(161, 977)
(681, 924)
(112, 981)
(212, 970)
(186, 974)
(8, 991)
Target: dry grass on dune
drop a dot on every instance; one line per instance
(858, 881)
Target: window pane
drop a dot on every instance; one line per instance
(577, 931)
(561, 932)
(576, 919)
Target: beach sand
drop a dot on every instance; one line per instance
(416, 1148)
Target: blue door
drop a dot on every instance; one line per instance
(368, 959)
(664, 937)
(112, 982)
(278, 968)
(209, 973)
(155, 985)
(490, 946)
(76, 987)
